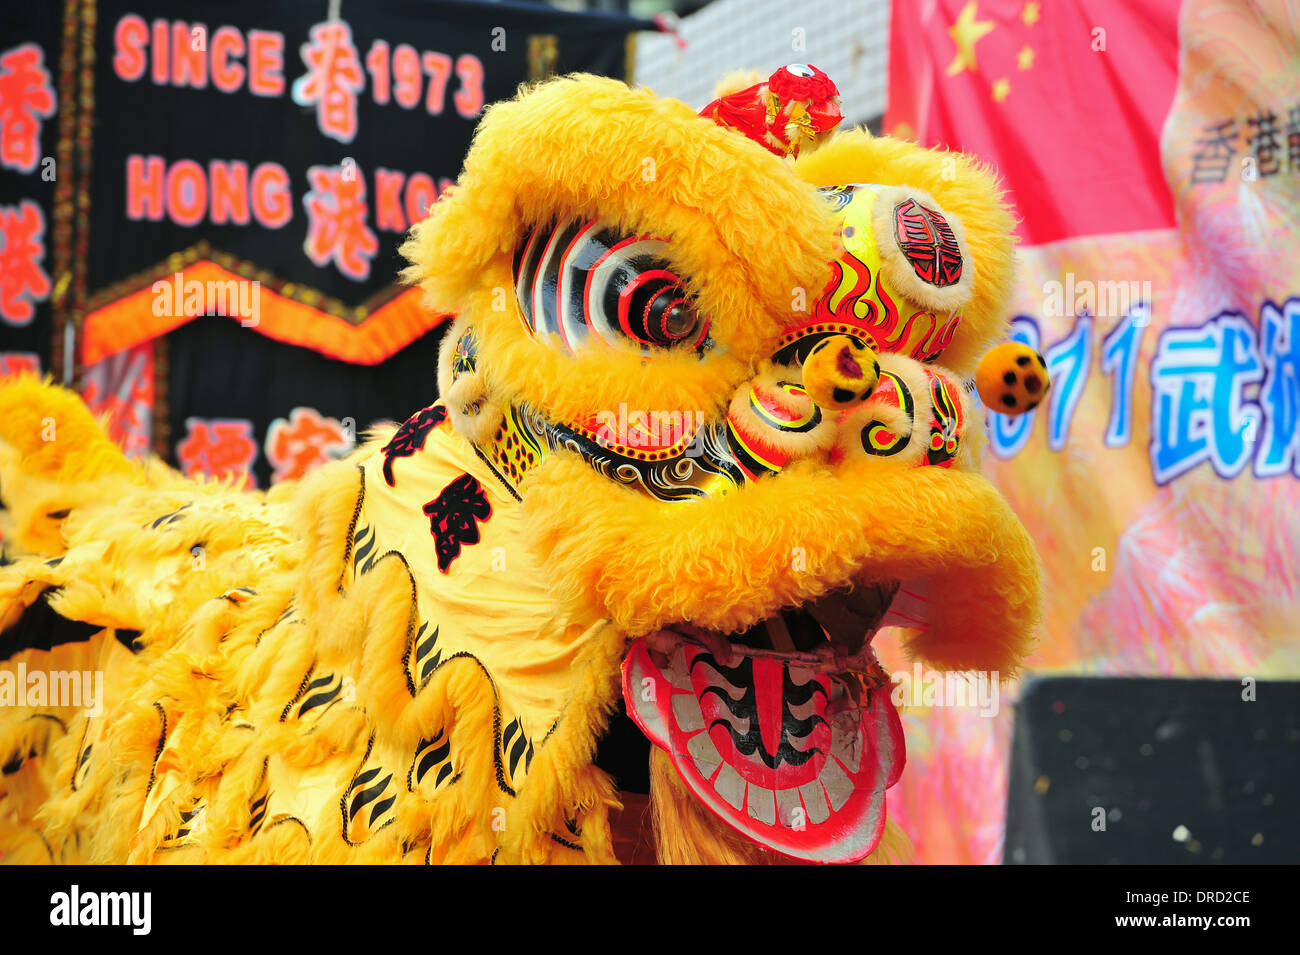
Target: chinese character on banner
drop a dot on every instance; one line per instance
(304, 441)
(1214, 151)
(121, 387)
(1198, 411)
(1280, 393)
(1264, 142)
(219, 448)
(332, 80)
(336, 221)
(1293, 138)
(22, 280)
(26, 98)
(19, 363)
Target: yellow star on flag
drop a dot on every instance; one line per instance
(1001, 90)
(1030, 14)
(965, 33)
(1025, 58)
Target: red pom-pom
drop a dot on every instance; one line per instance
(802, 82)
(746, 111)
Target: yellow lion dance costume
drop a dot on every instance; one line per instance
(702, 432)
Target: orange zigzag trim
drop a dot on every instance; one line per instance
(130, 320)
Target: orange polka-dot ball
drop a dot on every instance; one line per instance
(1012, 378)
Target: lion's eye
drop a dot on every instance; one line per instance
(587, 281)
(679, 321)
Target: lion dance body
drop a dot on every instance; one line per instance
(703, 430)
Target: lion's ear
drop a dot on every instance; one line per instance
(903, 214)
(966, 194)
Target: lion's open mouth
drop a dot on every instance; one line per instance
(785, 731)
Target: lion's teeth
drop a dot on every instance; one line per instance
(846, 738)
(705, 754)
(730, 786)
(805, 709)
(838, 785)
(762, 805)
(686, 711)
(678, 671)
(790, 809)
(814, 801)
(800, 675)
(880, 728)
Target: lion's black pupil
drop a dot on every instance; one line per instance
(679, 321)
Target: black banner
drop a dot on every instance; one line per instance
(35, 162)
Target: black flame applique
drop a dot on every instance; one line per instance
(368, 805)
(320, 694)
(364, 551)
(454, 515)
(257, 805)
(181, 835)
(516, 747)
(432, 762)
(410, 437)
(423, 658)
(171, 517)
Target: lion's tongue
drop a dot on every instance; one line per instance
(786, 756)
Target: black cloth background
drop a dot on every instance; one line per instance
(41, 24)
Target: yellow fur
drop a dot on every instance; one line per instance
(727, 562)
(55, 434)
(735, 81)
(215, 659)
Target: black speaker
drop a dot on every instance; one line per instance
(1142, 770)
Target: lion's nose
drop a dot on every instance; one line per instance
(840, 372)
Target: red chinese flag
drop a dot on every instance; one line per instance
(1066, 98)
